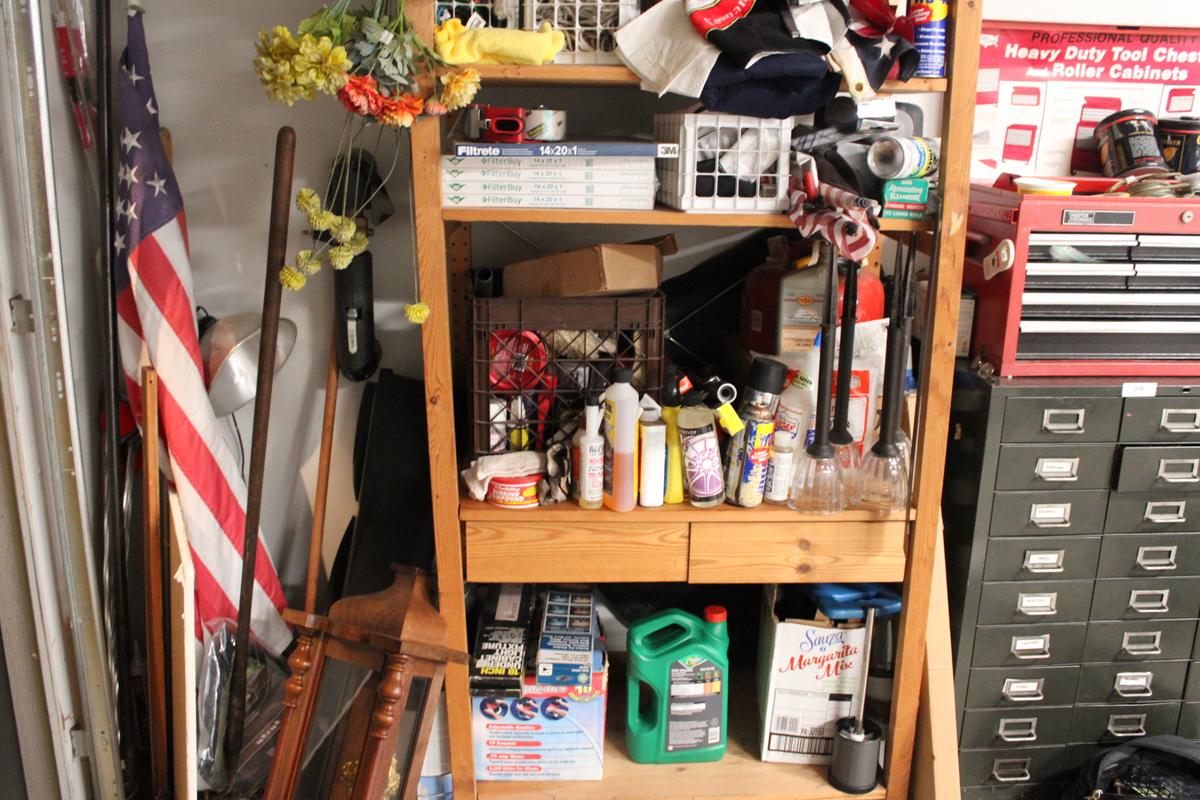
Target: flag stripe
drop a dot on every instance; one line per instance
(169, 294)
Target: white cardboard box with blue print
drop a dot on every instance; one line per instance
(807, 672)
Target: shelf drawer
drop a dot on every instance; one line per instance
(1113, 724)
(1028, 645)
(1150, 640)
(1061, 419)
(1152, 512)
(1146, 598)
(1159, 469)
(1132, 683)
(1042, 558)
(1035, 601)
(1189, 721)
(1011, 727)
(1010, 687)
(1025, 467)
(1048, 513)
(1161, 419)
(1010, 766)
(1148, 555)
(535, 552)
(796, 552)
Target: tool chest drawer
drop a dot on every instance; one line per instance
(1061, 419)
(1006, 727)
(1189, 721)
(1050, 513)
(1042, 558)
(1146, 555)
(1152, 469)
(1022, 687)
(1034, 601)
(1054, 466)
(1152, 512)
(1146, 598)
(1161, 419)
(1151, 640)
(1010, 766)
(1152, 681)
(1112, 724)
(1029, 645)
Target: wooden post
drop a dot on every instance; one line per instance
(958, 114)
(156, 642)
(321, 492)
(306, 664)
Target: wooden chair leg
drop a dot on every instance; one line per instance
(299, 700)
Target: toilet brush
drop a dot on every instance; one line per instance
(844, 445)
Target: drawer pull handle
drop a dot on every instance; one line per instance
(1031, 648)
(1150, 601)
(1180, 420)
(1019, 730)
(1179, 470)
(1157, 559)
(1011, 770)
(1124, 726)
(1142, 643)
(1134, 684)
(1050, 515)
(1037, 604)
(1044, 561)
(1023, 690)
(1057, 469)
(1063, 420)
(1166, 512)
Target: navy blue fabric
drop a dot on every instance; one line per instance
(776, 86)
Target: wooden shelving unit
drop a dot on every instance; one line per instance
(721, 545)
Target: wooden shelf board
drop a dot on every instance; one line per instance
(474, 510)
(620, 75)
(666, 217)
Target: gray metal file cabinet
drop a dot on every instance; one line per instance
(1073, 550)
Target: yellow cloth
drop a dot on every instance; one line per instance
(458, 44)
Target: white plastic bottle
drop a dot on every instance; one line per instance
(591, 458)
(621, 412)
(652, 455)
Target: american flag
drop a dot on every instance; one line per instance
(157, 326)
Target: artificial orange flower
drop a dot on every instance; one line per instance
(361, 95)
(401, 110)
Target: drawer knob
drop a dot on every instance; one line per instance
(1179, 470)
(1024, 690)
(1134, 684)
(1166, 512)
(1018, 730)
(1150, 601)
(1142, 643)
(1180, 420)
(1011, 770)
(1157, 559)
(1125, 726)
(1044, 561)
(1057, 469)
(1063, 420)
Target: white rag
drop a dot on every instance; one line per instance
(503, 465)
(666, 52)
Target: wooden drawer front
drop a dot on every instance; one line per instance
(1048, 513)
(1113, 724)
(1061, 419)
(1132, 683)
(1023, 687)
(1146, 598)
(1041, 558)
(765, 552)
(1033, 467)
(1152, 512)
(573, 552)
(1010, 766)
(1158, 469)
(1130, 642)
(1147, 555)
(1012, 727)
(1028, 645)
(1035, 601)
(1161, 419)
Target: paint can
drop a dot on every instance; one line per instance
(517, 493)
(1181, 144)
(929, 21)
(903, 157)
(1128, 144)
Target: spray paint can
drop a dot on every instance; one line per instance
(750, 449)
(1128, 144)
(930, 20)
(903, 157)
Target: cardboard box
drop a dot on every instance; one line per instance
(905, 198)
(550, 733)
(498, 657)
(807, 673)
(602, 269)
(567, 637)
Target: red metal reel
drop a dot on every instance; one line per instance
(516, 360)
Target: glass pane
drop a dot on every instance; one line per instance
(406, 738)
(321, 771)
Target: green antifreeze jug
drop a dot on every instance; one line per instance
(678, 680)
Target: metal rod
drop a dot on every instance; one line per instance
(860, 693)
(841, 412)
(820, 447)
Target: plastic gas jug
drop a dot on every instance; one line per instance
(678, 679)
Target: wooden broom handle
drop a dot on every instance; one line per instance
(322, 489)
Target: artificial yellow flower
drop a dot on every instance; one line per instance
(322, 220)
(416, 313)
(320, 64)
(340, 256)
(358, 243)
(459, 88)
(308, 262)
(291, 278)
(275, 49)
(308, 201)
(343, 230)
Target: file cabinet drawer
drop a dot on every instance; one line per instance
(1025, 467)
(1148, 555)
(1061, 419)
(1151, 640)
(1035, 601)
(1048, 513)
(1146, 598)
(1159, 469)
(1010, 767)
(1012, 687)
(1113, 724)
(1057, 558)
(1156, 681)
(1189, 721)
(1029, 645)
(1007, 727)
(1161, 419)
(1152, 512)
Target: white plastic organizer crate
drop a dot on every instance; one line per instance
(477, 13)
(726, 162)
(589, 25)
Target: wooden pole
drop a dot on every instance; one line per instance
(281, 195)
(321, 492)
(156, 652)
